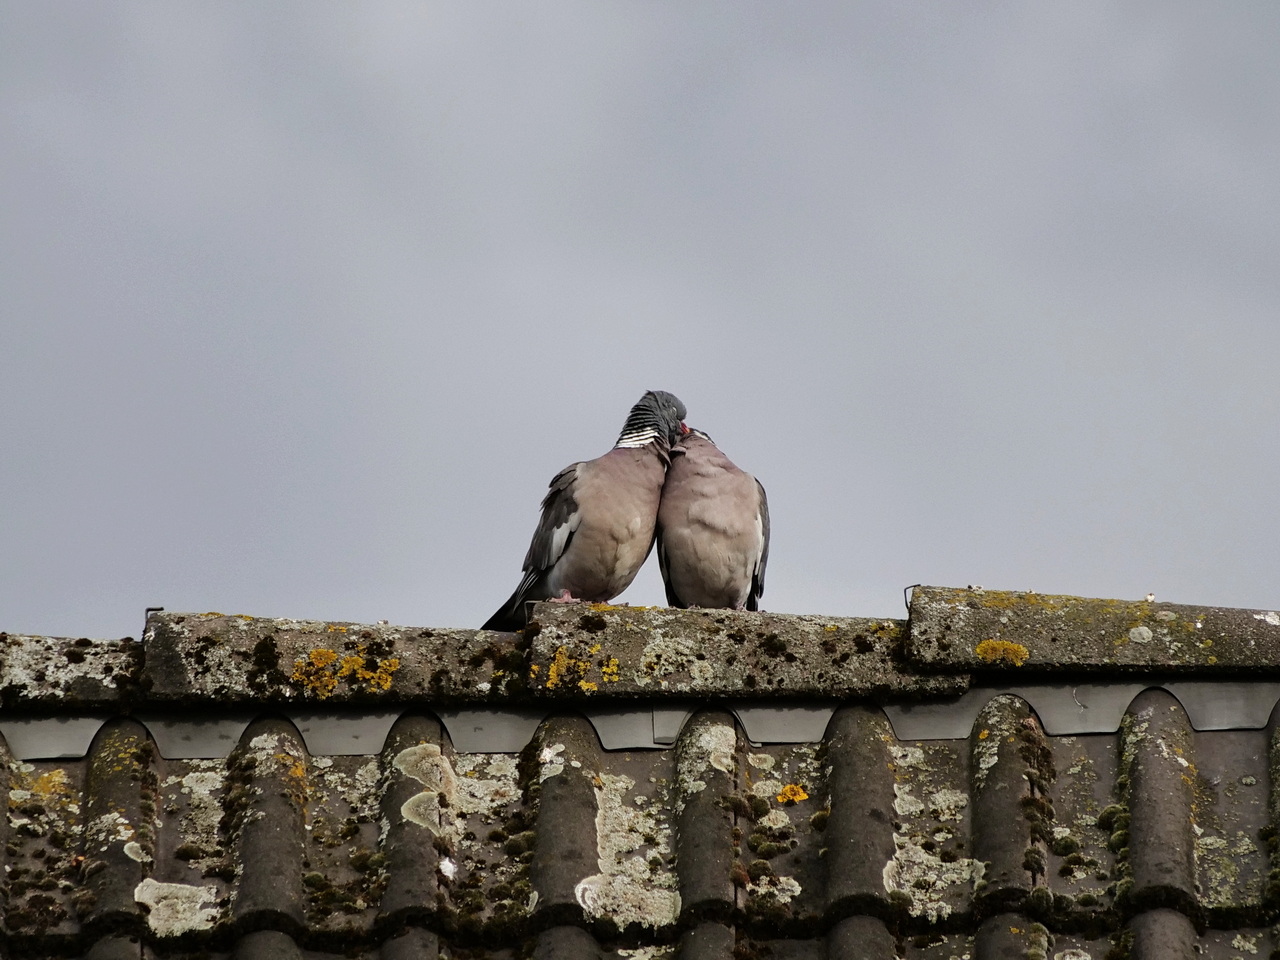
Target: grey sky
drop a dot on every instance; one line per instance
(305, 304)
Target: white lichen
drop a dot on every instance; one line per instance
(133, 850)
(197, 792)
(551, 760)
(633, 885)
(774, 819)
(177, 908)
(926, 879)
(663, 656)
(107, 829)
(40, 665)
(946, 804)
(781, 889)
(477, 785)
(921, 875)
(710, 747)
(768, 789)
(1245, 943)
(1140, 634)
(904, 804)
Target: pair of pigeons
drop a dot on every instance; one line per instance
(661, 480)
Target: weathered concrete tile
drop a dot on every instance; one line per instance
(992, 630)
(238, 659)
(84, 674)
(591, 650)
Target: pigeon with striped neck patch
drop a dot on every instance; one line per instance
(713, 529)
(598, 516)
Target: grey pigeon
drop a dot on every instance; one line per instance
(598, 517)
(713, 529)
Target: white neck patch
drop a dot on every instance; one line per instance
(638, 438)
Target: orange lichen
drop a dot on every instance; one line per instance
(314, 674)
(792, 793)
(318, 674)
(993, 650)
(378, 677)
(565, 668)
(559, 666)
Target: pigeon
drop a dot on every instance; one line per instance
(598, 517)
(713, 529)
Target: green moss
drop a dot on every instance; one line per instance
(759, 869)
(521, 843)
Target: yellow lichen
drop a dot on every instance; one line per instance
(983, 734)
(993, 650)
(51, 784)
(318, 675)
(792, 793)
(565, 668)
(378, 678)
(558, 666)
(314, 675)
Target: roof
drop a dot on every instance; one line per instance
(999, 774)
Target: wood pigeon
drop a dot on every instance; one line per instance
(598, 517)
(713, 529)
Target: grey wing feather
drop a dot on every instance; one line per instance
(559, 520)
(757, 577)
(560, 516)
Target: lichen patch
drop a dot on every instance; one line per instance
(134, 851)
(480, 784)
(48, 667)
(196, 793)
(925, 879)
(709, 746)
(177, 908)
(551, 760)
(634, 886)
(109, 828)
(928, 872)
(996, 651)
(781, 889)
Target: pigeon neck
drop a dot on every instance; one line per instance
(642, 437)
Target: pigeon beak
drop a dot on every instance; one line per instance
(684, 429)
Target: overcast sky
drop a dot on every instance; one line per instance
(304, 304)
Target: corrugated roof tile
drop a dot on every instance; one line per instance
(1007, 837)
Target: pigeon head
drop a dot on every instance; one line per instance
(657, 414)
